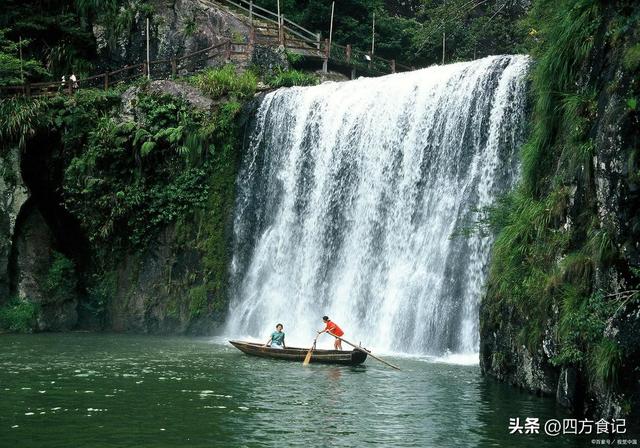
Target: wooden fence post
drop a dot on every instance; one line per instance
(348, 52)
(325, 61)
(252, 39)
(318, 36)
(251, 13)
(174, 67)
(353, 73)
(144, 69)
(393, 65)
(281, 32)
(106, 80)
(27, 89)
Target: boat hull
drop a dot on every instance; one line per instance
(298, 354)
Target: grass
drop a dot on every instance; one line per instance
(226, 81)
(605, 361)
(550, 239)
(290, 78)
(568, 40)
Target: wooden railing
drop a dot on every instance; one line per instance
(293, 36)
(303, 42)
(283, 24)
(161, 68)
(361, 60)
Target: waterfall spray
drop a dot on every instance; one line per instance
(348, 196)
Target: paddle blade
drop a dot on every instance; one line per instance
(307, 359)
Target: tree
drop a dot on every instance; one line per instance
(13, 70)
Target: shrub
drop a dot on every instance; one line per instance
(61, 279)
(290, 78)
(226, 81)
(198, 301)
(632, 58)
(18, 316)
(606, 360)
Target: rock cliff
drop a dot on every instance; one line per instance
(561, 316)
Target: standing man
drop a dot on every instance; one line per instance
(333, 329)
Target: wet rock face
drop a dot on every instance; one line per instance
(567, 391)
(503, 357)
(177, 28)
(152, 287)
(176, 89)
(13, 195)
(614, 196)
(269, 61)
(32, 258)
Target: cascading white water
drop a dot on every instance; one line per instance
(348, 196)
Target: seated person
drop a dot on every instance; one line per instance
(277, 338)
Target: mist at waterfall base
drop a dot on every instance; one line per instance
(348, 197)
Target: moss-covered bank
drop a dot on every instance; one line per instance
(136, 188)
(561, 312)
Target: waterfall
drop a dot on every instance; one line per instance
(348, 196)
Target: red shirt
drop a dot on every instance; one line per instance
(333, 328)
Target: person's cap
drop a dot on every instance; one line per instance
(325, 317)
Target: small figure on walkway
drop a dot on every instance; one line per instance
(277, 338)
(333, 330)
(74, 81)
(63, 82)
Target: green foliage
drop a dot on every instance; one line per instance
(582, 323)
(19, 119)
(606, 361)
(18, 316)
(471, 30)
(198, 301)
(290, 78)
(132, 178)
(214, 219)
(293, 58)
(414, 38)
(551, 241)
(226, 81)
(190, 27)
(61, 280)
(12, 69)
(54, 34)
(632, 58)
(567, 40)
(100, 291)
(124, 181)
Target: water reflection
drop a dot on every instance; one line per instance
(111, 390)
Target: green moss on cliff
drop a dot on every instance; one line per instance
(156, 185)
(18, 316)
(61, 280)
(558, 256)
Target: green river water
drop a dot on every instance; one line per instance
(105, 390)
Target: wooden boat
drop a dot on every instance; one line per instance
(298, 354)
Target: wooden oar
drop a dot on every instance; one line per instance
(307, 359)
(364, 350)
